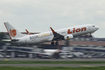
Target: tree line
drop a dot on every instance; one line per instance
(2, 36)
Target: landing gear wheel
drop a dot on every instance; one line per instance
(52, 43)
(56, 43)
(91, 35)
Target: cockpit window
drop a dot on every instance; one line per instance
(93, 26)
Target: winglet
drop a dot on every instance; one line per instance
(57, 36)
(27, 31)
(52, 30)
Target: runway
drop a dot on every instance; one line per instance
(36, 59)
(52, 65)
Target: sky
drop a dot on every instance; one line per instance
(40, 15)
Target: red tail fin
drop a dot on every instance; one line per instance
(27, 32)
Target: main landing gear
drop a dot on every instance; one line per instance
(52, 43)
(56, 43)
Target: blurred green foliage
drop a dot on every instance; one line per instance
(2, 36)
(51, 68)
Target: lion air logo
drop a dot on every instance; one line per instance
(13, 32)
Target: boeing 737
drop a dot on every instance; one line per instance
(53, 35)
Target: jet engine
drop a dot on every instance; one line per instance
(69, 36)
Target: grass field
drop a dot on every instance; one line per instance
(52, 62)
(51, 68)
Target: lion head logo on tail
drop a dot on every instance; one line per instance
(13, 32)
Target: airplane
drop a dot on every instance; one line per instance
(28, 32)
(51, 36)
(49, 53)
(60, 53)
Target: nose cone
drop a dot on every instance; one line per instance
(96, 27)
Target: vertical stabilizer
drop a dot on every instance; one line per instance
(13, 33)
(28, 32)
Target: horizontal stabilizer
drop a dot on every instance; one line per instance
(6, 40)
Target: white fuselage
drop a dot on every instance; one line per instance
(48, 36)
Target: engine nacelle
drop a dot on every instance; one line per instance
(69, 36)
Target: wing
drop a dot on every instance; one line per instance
(57, 36)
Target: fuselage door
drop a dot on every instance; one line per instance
(89, 28)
